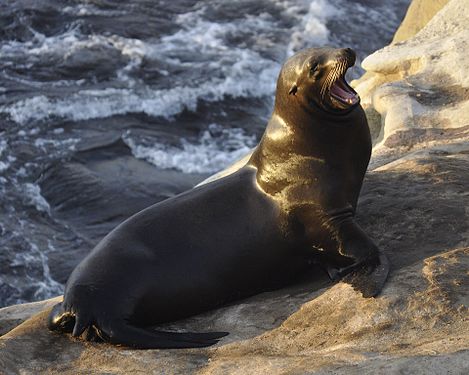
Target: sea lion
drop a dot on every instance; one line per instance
(291, 205)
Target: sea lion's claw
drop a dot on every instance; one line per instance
(369, 278)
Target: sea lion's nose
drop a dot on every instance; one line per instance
(350, 55)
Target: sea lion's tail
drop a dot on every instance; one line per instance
(121, 333)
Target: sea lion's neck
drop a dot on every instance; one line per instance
(320, 136)
(297, 143)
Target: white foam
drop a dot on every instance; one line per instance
(59, 144)
(312, 30)
(91, 10)
(63, 46)
(3, 164)
(40, 84)
(47, 287)
(39, 45)
(236, 72)
(3, 146)
(215, 149)
(90, 104)
(38, 277)
(33, 197)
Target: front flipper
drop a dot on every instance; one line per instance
(343, 248)
(369, 276)
(370, 267)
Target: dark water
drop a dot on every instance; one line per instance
(107, 107)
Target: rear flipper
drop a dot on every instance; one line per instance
(66, 321)
(60, 320)
(121, 333)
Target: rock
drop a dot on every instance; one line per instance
(12, 316)
(417, 16)
(420, 322)
(420, 12)
(414, 203)
(418, 315)
(417, 91)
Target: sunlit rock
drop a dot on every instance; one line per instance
(414, 203)
(417, 92)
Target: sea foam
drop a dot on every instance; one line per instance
(215, 149)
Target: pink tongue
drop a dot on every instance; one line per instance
(339, 92)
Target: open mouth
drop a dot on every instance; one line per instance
(341, 96)
(341, 92)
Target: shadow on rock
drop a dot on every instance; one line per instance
(417, 208)
(31, 344)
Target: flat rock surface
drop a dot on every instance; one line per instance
(414, 204)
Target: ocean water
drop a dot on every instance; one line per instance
(107, 107)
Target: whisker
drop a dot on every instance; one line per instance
(330, 79)
(339, 69)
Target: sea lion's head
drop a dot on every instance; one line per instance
(315, 79)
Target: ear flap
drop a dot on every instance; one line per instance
(293, 90)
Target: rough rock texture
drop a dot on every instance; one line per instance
(414, 203)
(416, 92)
(420, 323)
(12, 316)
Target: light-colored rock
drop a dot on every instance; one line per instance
(12, 316)
(420, 88)
(414, 203)
(417, 316)
(420, 12)
(417, 16)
